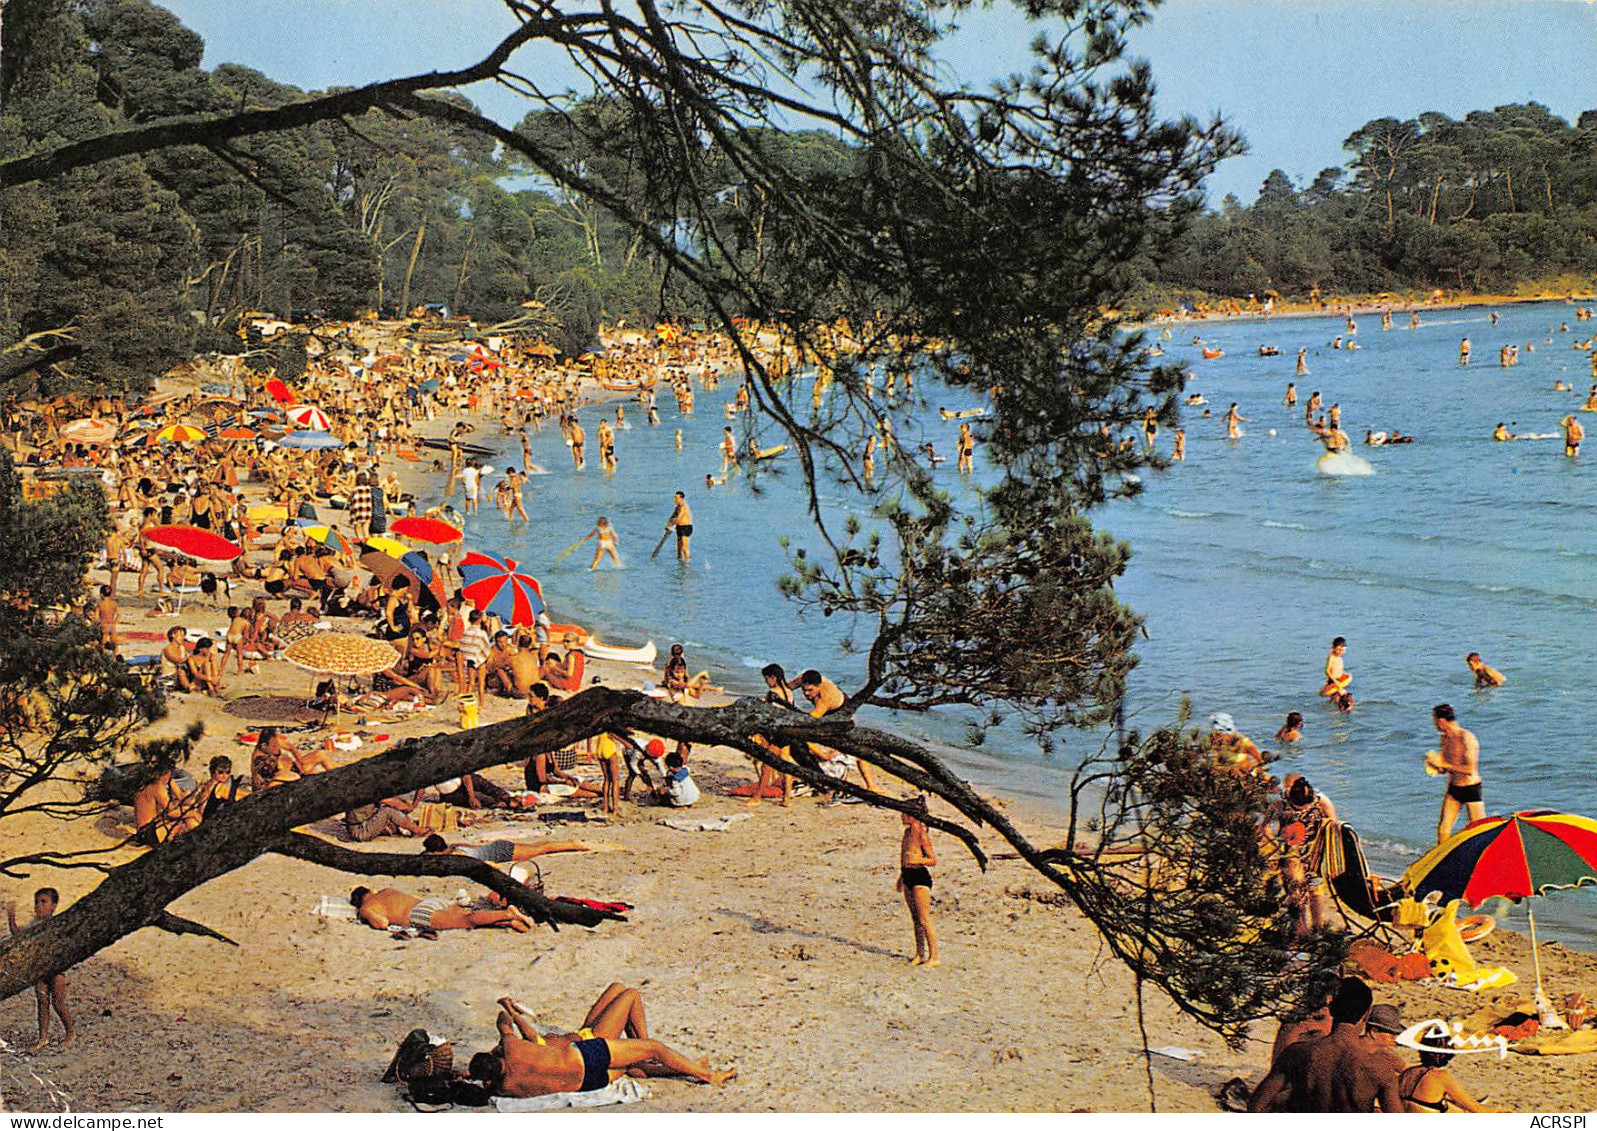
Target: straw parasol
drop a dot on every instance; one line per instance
(341, 653)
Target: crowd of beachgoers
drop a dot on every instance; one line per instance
(293, 516)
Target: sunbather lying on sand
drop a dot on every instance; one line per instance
(500, 851)
(613, 1041)
(391, 907)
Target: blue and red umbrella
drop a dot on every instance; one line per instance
(492, 584)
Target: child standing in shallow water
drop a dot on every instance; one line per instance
(915, 858)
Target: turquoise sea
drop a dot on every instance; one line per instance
(1247, 562)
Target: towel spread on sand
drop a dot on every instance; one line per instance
(705, 824)
(335, 907)
(623, 1091)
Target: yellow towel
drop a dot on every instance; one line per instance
(1445, 947)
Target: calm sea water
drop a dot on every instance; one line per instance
(1247, 561)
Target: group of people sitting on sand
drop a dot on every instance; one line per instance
(1341, 1055)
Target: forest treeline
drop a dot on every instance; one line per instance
(1499, 201)
(148, 259)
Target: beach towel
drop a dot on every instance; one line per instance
(335, 907)
(623, 1091)
(704, 824)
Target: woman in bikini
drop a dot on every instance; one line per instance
(1428, 1087)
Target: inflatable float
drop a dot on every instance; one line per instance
(1476, 927)
(1212, 354)
(962, 414)
(644, 655)
(770, 453)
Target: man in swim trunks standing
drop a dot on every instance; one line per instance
(1573, 435)
(681, 522)
(1459, 759)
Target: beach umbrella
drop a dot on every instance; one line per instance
(237, 434)
(386, 567)
(433, 530)
(431, 385)
(309, 416)
(280, 392)
(224, 390)
(341, 653)
(178, 434)
(265, 413)
(458, 357)
(316, 441)
(194, 542)
(542, 349)
(389, 546)
(492, 584)
(89, 431)
(268, 512)
(326, 535)
(1525, 854)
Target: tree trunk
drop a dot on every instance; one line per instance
(460, 279)
(415, 251)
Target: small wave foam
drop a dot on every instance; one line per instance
(1344, 464)
(1189, 514)
(1274, 525)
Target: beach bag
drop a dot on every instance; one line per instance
(418, 1057)
(565, 758)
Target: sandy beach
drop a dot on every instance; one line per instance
(778, 944)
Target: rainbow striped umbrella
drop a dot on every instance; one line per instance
(493, 585)
(178, 434)
(1524, 854)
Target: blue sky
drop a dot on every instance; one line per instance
(1295, 76)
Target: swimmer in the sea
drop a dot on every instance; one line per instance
(1291, 394)
(1335, 440)
(1591, 400)
(1463, 352)
(1234, 418)
(1303, 365)
(1501, 433)
(1485, 674)
(1336, 674)
(1375, 439)
(1292, 729)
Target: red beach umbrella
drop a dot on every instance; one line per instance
(309, 416)
(194, 542)
(493, 585)
(433, 530)
(280, 392)
(237, 434)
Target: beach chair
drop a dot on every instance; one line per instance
(1368, 904)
